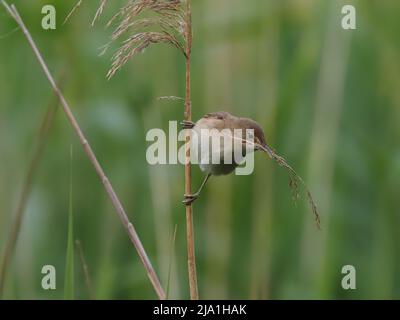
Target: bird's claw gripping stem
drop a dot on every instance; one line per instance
(187, 124)
(189, 199)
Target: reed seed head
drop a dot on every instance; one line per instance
(142, 23)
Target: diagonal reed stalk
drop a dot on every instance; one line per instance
(26, 189)
(89, 152)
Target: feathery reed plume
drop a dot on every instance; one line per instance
(92, 157)
(294, 177)
(137, 44)
(165, 25)
(99, 11)
(170, 23)
(27, 187)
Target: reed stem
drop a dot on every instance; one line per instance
(194, 295)
(89, 152)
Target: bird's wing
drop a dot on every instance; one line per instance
(221, 115)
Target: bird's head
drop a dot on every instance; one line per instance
(259, 136)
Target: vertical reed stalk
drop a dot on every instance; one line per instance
(89, 152)
(69, 261)
(194, 295)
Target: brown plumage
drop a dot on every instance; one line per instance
(222, 121)
(225, 121)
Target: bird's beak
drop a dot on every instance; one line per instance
(266, 149)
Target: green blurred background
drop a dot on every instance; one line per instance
(329, 101)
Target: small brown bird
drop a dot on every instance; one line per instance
(227, 162)
(233, 131)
